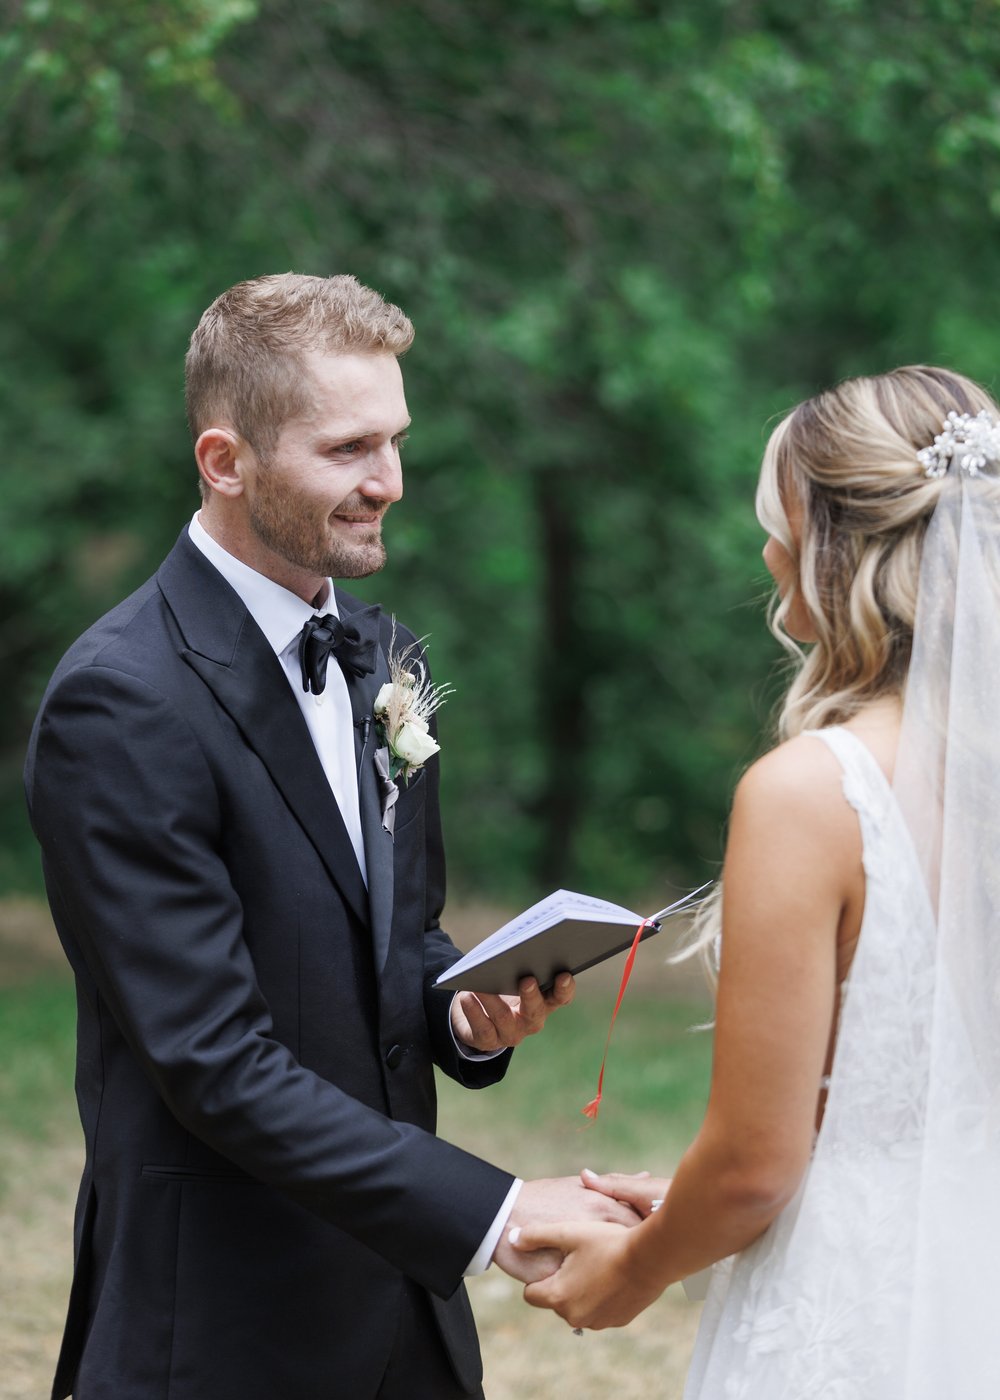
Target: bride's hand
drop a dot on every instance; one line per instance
(601, 1282)
(644, 1193)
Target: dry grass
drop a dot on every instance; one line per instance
(528, 1353)
(36, 1224)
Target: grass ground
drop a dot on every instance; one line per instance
(531, 1123)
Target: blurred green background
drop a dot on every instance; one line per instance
(628, 233)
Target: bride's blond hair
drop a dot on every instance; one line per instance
(842, 490)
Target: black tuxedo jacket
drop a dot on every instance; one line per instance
(256, 1030)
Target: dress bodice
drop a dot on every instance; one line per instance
(880, 1073)
(816, 1308)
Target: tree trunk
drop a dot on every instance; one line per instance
(562, 671)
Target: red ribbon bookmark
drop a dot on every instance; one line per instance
(592, 1108)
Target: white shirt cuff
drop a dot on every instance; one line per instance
(483, 1256)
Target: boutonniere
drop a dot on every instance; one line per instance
(402, 712)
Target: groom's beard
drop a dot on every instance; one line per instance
(311, 538)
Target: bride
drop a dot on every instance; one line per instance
(847, 1172)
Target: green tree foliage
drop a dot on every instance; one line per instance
(628, 232)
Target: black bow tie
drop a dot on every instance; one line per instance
(354, 643)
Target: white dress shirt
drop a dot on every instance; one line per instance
(280, 615)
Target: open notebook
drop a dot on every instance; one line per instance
(565, 932)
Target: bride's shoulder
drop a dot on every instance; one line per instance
(797, 779)
(793, 829)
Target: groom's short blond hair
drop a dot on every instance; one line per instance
(244, 366)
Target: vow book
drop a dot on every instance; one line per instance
(564, 932)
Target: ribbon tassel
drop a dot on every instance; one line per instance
(592, 1109)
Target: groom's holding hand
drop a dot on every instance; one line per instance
(265, 1212)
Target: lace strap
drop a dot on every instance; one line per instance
(866, 787)
(854, 756)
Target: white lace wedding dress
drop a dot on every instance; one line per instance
(822, 1305)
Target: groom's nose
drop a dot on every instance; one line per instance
(384, 478)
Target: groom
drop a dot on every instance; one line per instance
(265, 1212)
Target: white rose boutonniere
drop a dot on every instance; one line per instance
(402, 711)
(413, 745)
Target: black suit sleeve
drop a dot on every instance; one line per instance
(125, 806)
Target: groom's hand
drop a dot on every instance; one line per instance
(486, 1022)
(542, 1203)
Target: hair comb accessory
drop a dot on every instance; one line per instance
(969, 441)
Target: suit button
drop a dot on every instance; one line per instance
(394, 1056)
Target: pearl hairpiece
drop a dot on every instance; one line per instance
(972, 442)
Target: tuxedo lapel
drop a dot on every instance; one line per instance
(378, 842)
(231, 655)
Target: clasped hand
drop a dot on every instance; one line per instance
(486, 1021)
(546, 1206)
(607, 1274)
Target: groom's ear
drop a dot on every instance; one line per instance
(223, 458)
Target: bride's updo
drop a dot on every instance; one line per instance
(842, 489)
